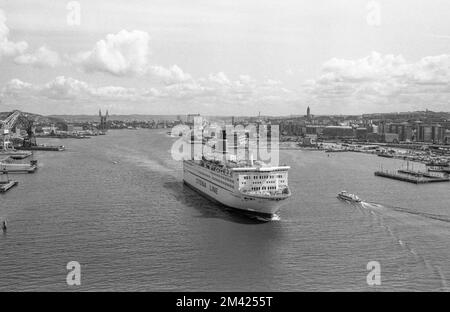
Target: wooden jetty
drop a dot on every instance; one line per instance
(6, 185)
(6, 168)
(386, 155)
(335, 150)
(417, 178)
(55, 148)
(15, 154)
(438, 169)
(418, 173)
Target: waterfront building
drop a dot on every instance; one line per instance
(404, 130)
(390, 138)
(361, 133)
(338, 132)
(314, 129)
(430, 133)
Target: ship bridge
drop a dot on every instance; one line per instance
(262, 180)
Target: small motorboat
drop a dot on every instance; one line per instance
(349, 197)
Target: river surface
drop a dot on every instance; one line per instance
(117, 205)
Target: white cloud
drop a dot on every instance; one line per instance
(7, 47)
(16, 88)
(42, 57)
(170, 75)
(216, 94)
(121, 54)
(66, 88)
(382, 82)
(434, 70)
(272, 82)
(219, 78)
(375, 66)
(127, 54)
(114, 92)
(245, 79)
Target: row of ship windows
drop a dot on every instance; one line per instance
(264, 188)
(222, 177)
(217, 175)
(222, 182)
(265, 182)
(263, 177)
(203, 174)
(261, 182)
(217, 180)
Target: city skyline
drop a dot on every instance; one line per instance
(305, 115)
(224, 59)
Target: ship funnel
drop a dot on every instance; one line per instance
(222, 142)
(235, 136)
(247, 146)
(258, 128)
(192, 146)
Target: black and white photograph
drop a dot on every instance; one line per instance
(222, 146)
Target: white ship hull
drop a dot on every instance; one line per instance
(196, 177)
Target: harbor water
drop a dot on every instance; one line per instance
(118, 206)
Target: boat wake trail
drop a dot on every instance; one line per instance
(444, 218)
(140, 159)
(379, 211)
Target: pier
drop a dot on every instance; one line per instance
(6, 185)
(418, 173)
(15, 154)
(6, 168)
(442, 170)
(411, 177)
(53, 148)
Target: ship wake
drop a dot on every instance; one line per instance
(380, 211)
(439, 217)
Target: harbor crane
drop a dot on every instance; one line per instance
(6, 126)
(14, 119)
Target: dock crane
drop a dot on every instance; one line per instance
(15, 118)
(6, 126)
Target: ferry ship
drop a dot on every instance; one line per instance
(256, 188)
(349, 197)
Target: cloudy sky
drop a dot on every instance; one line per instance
(224, 57)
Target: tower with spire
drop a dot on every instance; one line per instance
(103, 121)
